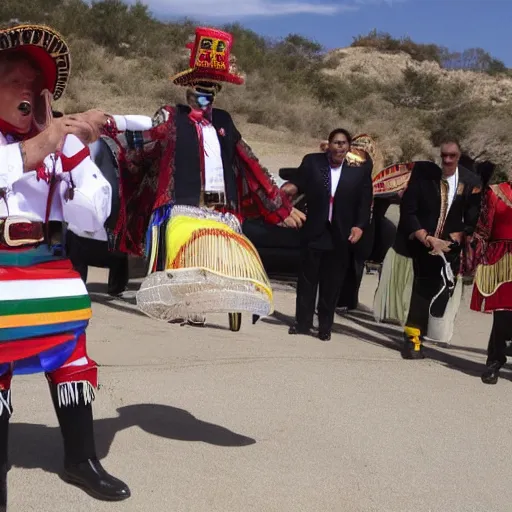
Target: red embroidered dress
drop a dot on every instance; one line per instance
(493, 278)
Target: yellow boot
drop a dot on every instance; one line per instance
(412, 347)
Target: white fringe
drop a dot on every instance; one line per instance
(5, 403)
(68, 393)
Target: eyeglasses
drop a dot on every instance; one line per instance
(449, 155)
(339, 142)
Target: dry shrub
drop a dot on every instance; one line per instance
(491, 139)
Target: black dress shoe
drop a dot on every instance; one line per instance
(324, 336)
(491, 374)
(93, 479)
(297, 329)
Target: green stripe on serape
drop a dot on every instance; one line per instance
(27, 258)
(46, 305)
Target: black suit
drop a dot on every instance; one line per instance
(325, 245)
(420, 209)
(187, 165)
(358, 254)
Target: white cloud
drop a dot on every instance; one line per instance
(242, 8)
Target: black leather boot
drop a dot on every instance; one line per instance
(81, 465)
(492, 372)
(5, 415)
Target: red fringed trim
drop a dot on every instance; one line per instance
(265, 197)
(77, 373)
(146, 183)
(86, 373)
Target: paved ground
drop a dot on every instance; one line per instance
(204, 420)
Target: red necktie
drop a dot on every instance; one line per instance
(200, 118)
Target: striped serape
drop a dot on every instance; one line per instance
(44, 308)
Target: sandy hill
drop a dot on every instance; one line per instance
(388, 68)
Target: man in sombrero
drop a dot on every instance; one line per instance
(47, 178)
(193, 156)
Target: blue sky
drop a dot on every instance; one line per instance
(457, 24)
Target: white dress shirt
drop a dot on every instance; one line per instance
(453, 182)
(26, 196)
(335, 179)
(213, 168)
(123, 123)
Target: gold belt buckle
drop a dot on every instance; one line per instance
(8, 222)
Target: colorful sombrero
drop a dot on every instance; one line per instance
(211, 61)
(46, 47)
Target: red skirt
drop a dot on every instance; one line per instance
(499, 300)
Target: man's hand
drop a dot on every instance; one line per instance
(52, 139)
(437, 245)
(295, 220)
(92, 121)
(355, 235)
(457, 237)
(290, 189)
(75, 125)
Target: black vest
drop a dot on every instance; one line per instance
(187, 168)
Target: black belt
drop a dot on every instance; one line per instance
(214, 198)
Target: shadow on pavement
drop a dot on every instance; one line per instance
(390, 337)
(444, 357)
(35, 446)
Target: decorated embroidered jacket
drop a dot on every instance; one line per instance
(162, 166)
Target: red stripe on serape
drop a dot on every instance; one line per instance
(52, 270)
(21, 349)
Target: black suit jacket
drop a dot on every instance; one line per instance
(352, 200)
(187, 174)
(421, 206)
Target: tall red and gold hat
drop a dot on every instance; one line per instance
(46, 48)
(211, 60)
